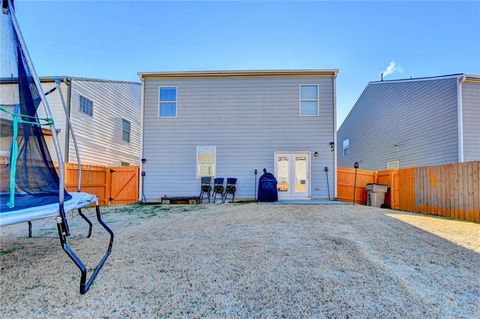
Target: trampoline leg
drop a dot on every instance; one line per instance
(84, 284)
(88, 222)
(29, 229)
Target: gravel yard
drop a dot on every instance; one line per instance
(248, 260)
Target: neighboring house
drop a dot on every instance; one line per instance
(229, 123)
(105, 116)
(413, 122)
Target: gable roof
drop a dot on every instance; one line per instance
(466, 77)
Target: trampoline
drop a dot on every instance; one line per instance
(32, 187)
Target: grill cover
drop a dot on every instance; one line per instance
(267, 188)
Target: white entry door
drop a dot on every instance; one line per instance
(292, 170)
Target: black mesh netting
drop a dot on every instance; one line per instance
(36, 181)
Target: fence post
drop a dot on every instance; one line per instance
(108, 185)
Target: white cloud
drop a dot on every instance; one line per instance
(392, 67)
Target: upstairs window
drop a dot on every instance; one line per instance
(309, 100)
(206, 161)
(168, 102)
(86, 105)
(125, 130)
(346, 148)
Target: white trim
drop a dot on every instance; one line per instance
(460, 119)
(308, 100)
(252, 73)
(343, 147)
(396, 163)
(129, 130)
(80, 96)
(176, 101)
(142, 105)
(196, 161)
(309, 173)
(334, 138)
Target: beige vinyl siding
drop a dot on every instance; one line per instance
(247, 119)
(471, 120)
(100, 136)
(413, 122)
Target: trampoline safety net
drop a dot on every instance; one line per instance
(28, 175)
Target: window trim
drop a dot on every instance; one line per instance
(196, 161)
(160, 102)
(129, 130)
(343, 148)
(80, 96)
(300, 100)
(394, 162)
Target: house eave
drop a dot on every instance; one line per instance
(239, 73)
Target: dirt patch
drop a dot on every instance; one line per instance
(240, 261)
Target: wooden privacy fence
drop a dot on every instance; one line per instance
(112, 185)
(451, 190)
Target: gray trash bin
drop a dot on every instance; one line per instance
(376, 194)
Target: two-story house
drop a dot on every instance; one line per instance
(229, 123)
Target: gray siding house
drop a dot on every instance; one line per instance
(229, 123)
(105, 116)
(413, 122)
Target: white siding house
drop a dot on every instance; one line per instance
(229, 123)
(413, 122)
(105, 116)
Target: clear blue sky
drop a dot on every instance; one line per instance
(115, 40)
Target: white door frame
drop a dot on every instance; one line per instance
(291, 193)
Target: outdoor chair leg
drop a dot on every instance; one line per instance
(88, 222)
(84, 284)
(29, 229)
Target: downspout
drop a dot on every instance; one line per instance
(68, 82)
(335, 136)
(142, 159)
(460, 118)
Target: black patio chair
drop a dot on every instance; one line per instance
(206, 188)
(230, 189)
(218, 188)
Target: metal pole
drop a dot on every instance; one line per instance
(328, 185)
(58, 150)
(255, 195)
(356, 165)
(72, 133)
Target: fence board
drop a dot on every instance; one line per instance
(451, 190)
(345, 184)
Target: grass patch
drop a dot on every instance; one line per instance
(12, 249)
(147, 211)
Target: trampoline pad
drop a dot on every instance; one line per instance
(77, 200)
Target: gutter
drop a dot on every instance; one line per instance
(335, 137)
(240, 73)
(460, 118)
